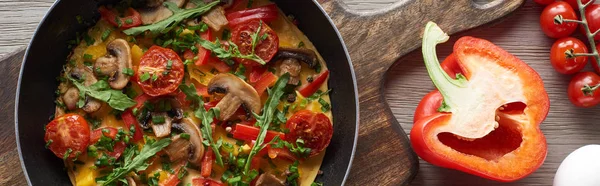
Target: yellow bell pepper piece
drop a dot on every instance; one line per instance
(201, 74)
(136, 55)
(86, 177)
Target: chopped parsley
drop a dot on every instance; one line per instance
(128, 71)
(105, 34)
(144, 77)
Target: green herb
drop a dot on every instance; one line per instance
(137, 163)
(205, 116)
(169, 66)
(234, 51)
(301, 44)
(67, 153)
(185, 136)
(203, 27)
(102, 91)
(128, 71)
(263, 121)
(118, 21)
(79, 19)
(128, 21)
(88, 40)
(298, 148)
(158, 119)
(104, 161)
(240, 71)
(226, 34)
(324, 105)
(105, 34)
(167, 24)
(88, 57)
(167, 167)
(144, 77)
(48, 143)
(92, 151)
(292, 178)
(153, 180)
(182, 172)
(316, 184)
(154, 77)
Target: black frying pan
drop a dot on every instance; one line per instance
(48, 50)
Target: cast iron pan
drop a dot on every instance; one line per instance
(48, 50)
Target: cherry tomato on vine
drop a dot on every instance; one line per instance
(592, 15)
(559, 59)
(576, 93)
(544, 2)
(558, 30)
(573, 3)
(594, 62)
(67, 135)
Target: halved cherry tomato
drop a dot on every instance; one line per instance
(265, 48)
(207, 162)
(576, 94)
(206, 182)
(315, 85)
(154, 64)
(111, 133)
(249, 133)
(592, 15)
(69, 131)
(559, 60)
(558, 30)
(266, 80)
(314, 128)
(132, 19)
(573, 3)
(129, 120)
(265, 13)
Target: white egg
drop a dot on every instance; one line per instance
(580, 168)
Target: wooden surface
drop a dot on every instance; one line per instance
(566, 127)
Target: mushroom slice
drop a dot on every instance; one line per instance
(130, 181)
(190, 127)
(215, 18)
(302, 54)
(293, 67)
(152, 15)
(114, 63)
(161, 129)
(237, 92)
(178, 149)
(91, 104)
(268, 179)
(70, 98)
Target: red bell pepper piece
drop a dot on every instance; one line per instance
(249, 133)
(267, 14)
(111, 132)
(205, 57)
(312, 87)
(255, 73)
(206, 182)
(173, 179)
(207, 162)
(488, 124)
(129, 120)
(266, 80)
(132, 19)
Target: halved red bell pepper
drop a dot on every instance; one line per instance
(249, 133)
(132, 19)
(265, 13)
(315, 85)
(488, 122)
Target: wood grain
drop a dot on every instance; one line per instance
(566, 127)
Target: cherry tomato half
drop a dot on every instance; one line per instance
(69, 131)
(592, 15)
(314, 128)
(577, 96)
(558, 30)
(160, 71)
(559, 60)
(268, 42)
(111, 133)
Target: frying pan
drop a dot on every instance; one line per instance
(48, 51)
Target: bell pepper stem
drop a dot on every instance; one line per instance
(432, 36)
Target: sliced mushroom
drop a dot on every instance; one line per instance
(178, 149)
(70, 98)
(302, 54)
(114, 63)
(293, 67)
(130, 181)
(161, 129)
(196, 152)
(151, 15)
(237, 92)
(215, 18)
(268, 179)
(91, 104)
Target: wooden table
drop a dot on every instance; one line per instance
(519, 34)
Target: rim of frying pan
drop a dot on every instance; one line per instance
(337, 32)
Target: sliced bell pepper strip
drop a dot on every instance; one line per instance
(129, 119)
(205, 57)
(132, 19)
(315, 85)
(255, 73)
(488, 122)
(267, 79)
(249, 133)
(207, 162)
(265, 13)
(173, 178)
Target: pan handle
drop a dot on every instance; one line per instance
(375, 40)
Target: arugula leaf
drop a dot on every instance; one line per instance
(137, 163)
(263, 121)
(166, 25)
(102, 91)
(173, 7)
(206, 117)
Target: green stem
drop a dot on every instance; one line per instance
(586, 28)
(432, 36)
(589, 90)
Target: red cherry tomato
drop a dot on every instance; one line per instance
(265, 49)
(111, 133)
(559, 60)
(592, 15)
(154, 66)
(544, 2)
(69, 131)
(558, 30)
(314, 128)
(594, 62)
(573, 3)
(577, 96)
